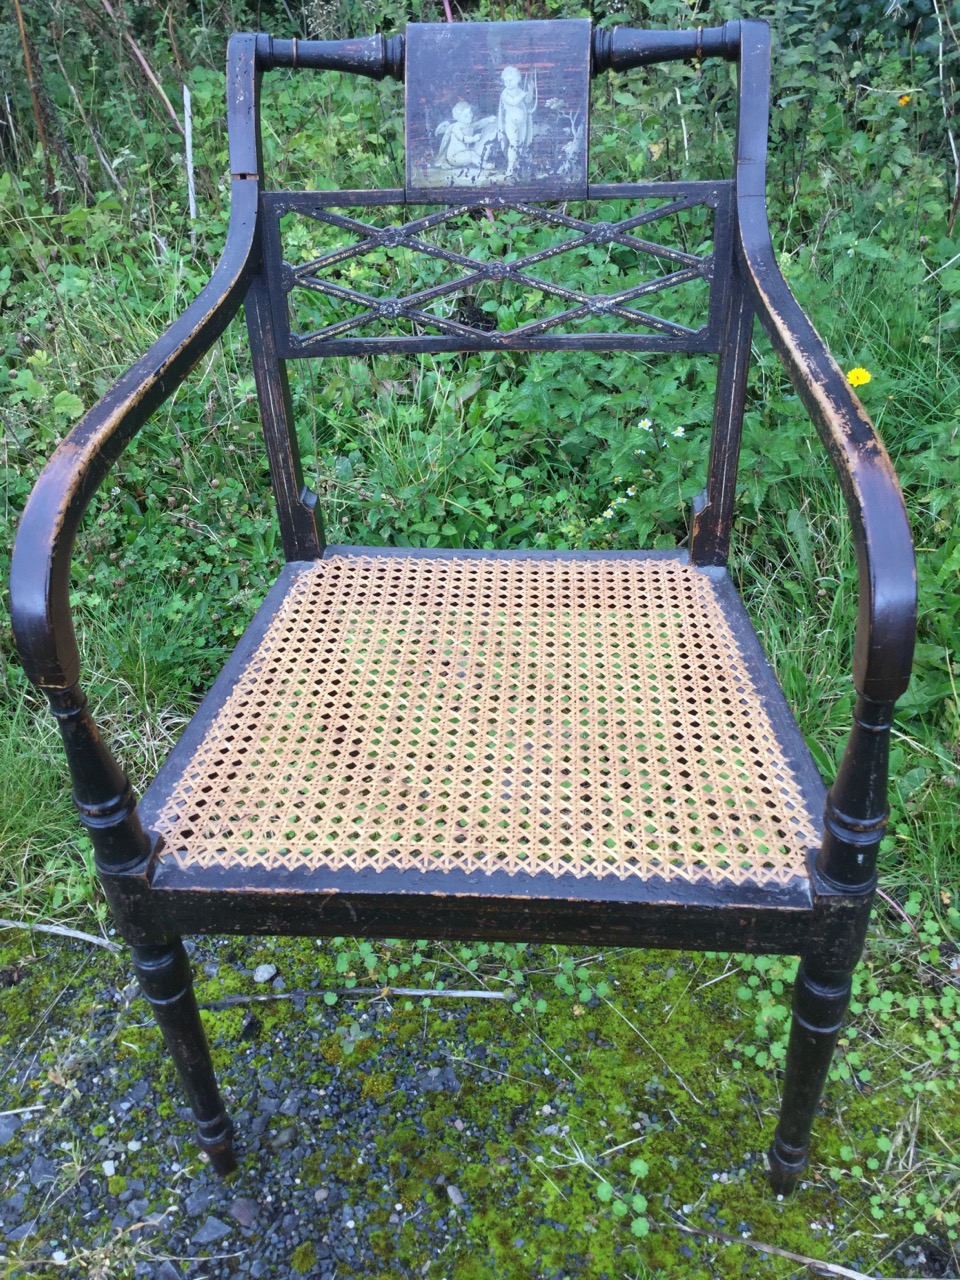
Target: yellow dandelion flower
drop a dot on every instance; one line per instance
(904, 99)
(859, 377)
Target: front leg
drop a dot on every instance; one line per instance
(166, 981)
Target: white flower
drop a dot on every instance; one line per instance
(631, 492)
(645, 424)
(677, 431)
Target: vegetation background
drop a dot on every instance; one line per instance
(100, 250)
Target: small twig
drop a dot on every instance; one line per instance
(34, 94)
(61, 931)
(683, 995)
(727, 973)
(12, 132)
(105, 164)
(683, 126)
(144, 66)
(630, 1142)
(895, 906)
(566, 1065)
(482, 1066)
(455, 993)
(824, 1268)
(930, 274)
(22, 1111)
(947, 108)
(543, 1173)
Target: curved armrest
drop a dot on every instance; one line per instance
(886, 620)
(40, 570)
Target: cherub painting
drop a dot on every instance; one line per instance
(465, 144)
(518, 102)
(492, 106)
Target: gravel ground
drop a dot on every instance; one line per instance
(380, 1138)
(99, 1176)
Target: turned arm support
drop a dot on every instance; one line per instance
(886, 619)
(886, 616)
(40, 569)
(856, 809)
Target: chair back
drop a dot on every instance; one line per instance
(498, 240)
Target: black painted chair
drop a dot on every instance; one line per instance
(570, 746)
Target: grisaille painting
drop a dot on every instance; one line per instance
(497, 109)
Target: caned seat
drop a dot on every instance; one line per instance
(565, 746)
(537, 716)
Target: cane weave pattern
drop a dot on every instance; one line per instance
(570, 716)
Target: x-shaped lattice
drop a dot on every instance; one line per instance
(411, 306)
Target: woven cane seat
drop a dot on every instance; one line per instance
(584, 716)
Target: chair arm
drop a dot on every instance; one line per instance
(40, 569)
(886, 620)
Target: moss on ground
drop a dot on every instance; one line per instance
(304, 1258)
(582, 1131)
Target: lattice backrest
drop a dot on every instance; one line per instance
(350, 277)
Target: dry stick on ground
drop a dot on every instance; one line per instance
(895, 906)
(144, 66)
(637, 1032)
(454, 993)
(823, 1268)
(62, 931)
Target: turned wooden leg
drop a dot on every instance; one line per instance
(819, 1003)
(166, 981)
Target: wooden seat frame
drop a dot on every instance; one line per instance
(822, 915)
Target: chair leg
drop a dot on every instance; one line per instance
(820, 1002)
(167, 983)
